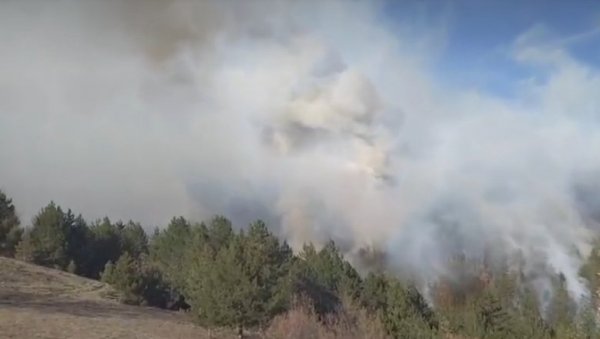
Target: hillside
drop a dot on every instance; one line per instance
(38, 302)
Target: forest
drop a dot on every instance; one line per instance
(245, 278)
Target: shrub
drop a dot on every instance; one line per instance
(349, 322)
(137, 282)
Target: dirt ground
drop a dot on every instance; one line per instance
(38, 302)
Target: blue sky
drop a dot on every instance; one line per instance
(475, 37)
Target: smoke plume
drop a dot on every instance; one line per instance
(316, 116)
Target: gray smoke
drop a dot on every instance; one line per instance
(312, 115)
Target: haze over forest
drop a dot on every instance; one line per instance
(414, 130)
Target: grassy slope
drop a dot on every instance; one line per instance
(38, 302)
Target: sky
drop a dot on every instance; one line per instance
(416, 128)
(476, 37)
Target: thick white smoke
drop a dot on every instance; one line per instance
(314, 116)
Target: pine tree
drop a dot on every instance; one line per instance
(125, 276)
(220, 233)
(245, 283)
(169, 247)
(374, 292)
(218, 288)
(105, 246)
(329, 269)
(407, 314)
(48, 238)
(324, 276)
(267, 264)
(10, 232)
(134, 239)
(79, 246)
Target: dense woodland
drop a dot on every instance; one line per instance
(247, 279)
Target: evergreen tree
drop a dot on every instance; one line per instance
(169, 248)
(406, 314)
(329, 269)
(220, 233)
(134, 239)
(218, 288)
(125, 276)
(267, 262)
(245, 283)
(137, 281)
(323, 276)
(105, 246)
(246, 278)
(48, 237)
(374, 292)
(78, 246)
(10, 232)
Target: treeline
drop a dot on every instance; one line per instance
(250, 279)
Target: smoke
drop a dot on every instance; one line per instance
(317, 117)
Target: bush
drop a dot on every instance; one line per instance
(349, 322)
(137, 283)
(125, 277)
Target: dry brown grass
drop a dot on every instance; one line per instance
(38, 302)
(350, 322)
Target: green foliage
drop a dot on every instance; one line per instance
(104, 244)
(48, 243)
(374, 292)
(220, 233)
(78, 241)
(239, 280)
(219, 290)
(10, 232)
(62, 240)
(331, 270)
(157, 291)
(125, 276)
(323, 276)
(406, 313)
(133, 239)
(137, 282)
(169, 248)
(247, 278)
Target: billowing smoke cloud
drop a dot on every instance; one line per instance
(321, 121)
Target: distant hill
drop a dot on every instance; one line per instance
(38, 302)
